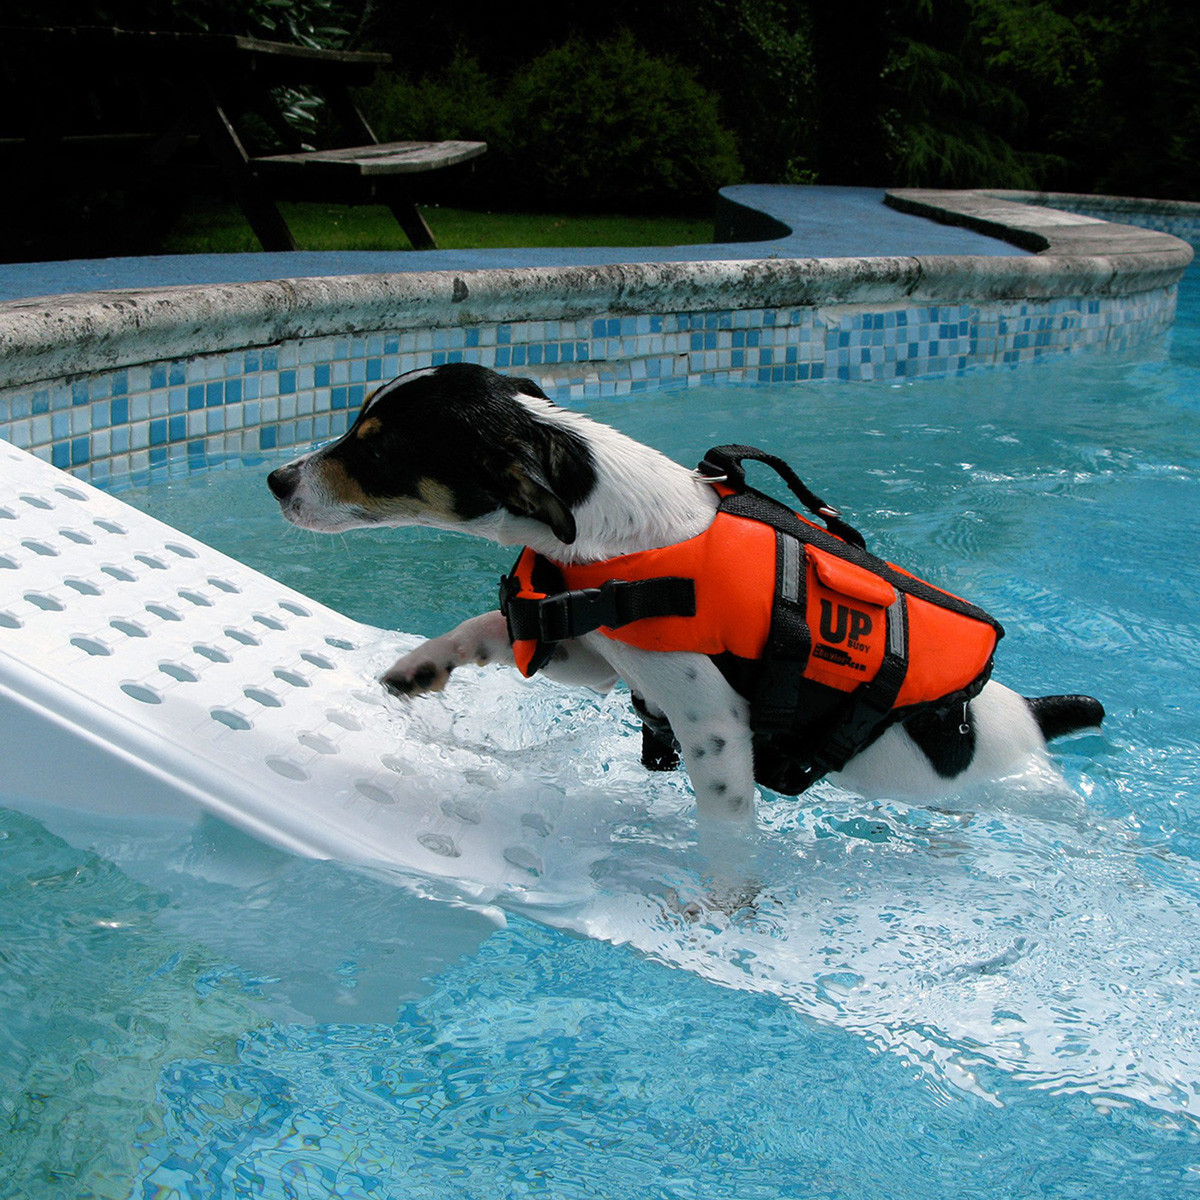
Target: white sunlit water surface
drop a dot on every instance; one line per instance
(995, 997)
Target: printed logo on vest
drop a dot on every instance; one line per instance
(845, 624)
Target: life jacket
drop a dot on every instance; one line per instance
(829, 644)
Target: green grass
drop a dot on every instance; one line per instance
(213, 227)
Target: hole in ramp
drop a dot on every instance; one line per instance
(139, 691)
(314, 741)
(374, 793)
(91, 646)
(178, 671)
(230, 720)
(287, 768)
(44, 602)
(526, 859)
(439, 843)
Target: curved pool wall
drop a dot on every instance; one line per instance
(137, 384)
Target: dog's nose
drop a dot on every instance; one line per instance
(282, 481)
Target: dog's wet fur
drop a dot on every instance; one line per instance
(462, 447)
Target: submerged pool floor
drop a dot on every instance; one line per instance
(991, 998)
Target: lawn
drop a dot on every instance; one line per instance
(214, 227)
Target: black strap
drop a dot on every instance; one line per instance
(727, 461)
(777, 697)
(615, 603)
(872, 706)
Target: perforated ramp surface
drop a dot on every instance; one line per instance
(143, 673)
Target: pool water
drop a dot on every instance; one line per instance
(994, 997)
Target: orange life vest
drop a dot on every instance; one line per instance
(828, 643)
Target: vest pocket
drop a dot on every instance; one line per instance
(846, 612)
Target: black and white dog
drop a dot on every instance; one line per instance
(461, 447)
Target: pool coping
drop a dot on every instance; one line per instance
(1074, 254)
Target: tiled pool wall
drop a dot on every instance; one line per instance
(170, 417)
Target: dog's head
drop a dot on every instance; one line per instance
(453, 446)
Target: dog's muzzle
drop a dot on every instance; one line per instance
(282, 481)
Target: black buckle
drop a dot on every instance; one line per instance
(720, 468)
(509, 586)
(571, 614)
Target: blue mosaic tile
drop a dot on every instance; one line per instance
(127, 423)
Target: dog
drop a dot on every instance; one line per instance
(460, 447)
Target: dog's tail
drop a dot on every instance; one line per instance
(1058, 715)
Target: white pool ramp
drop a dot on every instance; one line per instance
(144, 674)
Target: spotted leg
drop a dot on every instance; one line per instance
(709, 719)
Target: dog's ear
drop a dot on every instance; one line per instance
(528, 494)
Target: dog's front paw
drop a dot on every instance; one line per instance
(416, 674)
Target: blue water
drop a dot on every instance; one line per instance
(994, 998)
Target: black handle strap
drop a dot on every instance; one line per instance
(726, 461)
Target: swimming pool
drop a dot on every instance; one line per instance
(988, 999)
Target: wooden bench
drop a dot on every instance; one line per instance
(210, 84)
(371, 174)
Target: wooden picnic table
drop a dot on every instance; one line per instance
(204, 87)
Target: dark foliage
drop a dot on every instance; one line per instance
(651, 104)
(1078, 94)
(632, 133)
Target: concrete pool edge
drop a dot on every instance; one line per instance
(141, 384)
(50, 337)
